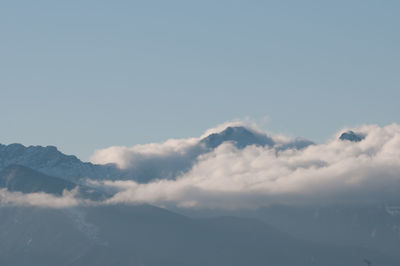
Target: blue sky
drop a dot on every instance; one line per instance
(83, 75)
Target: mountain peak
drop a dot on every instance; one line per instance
(352, 136)
(239, 135)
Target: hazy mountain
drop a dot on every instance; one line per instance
(146, 235)
(26, 180)
(352, 136)
(23, 179)
(373, 226)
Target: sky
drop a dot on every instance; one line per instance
(86, 75)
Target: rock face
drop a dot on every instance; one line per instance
(352, 136)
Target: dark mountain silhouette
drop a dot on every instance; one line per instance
(352, 136)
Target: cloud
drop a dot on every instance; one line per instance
(335, 171)
(152, 161)
(127, 157)
(134, 157)
(171, 158)
(40, 199)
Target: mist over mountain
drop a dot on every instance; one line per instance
(18, 178)
(169, 160)
(144, 167)
(111, 153)
(244, 197)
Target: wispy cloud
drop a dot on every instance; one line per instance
(40, 199)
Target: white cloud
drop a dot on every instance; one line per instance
(127, 157)
(232, 178)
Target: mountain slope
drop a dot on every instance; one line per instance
(373, 226)
(23, 179)
(18, 178)
(146, 235)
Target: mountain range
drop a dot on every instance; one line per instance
(141, 234)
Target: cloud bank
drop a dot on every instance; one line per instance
(228, 177)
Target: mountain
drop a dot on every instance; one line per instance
(372, 226)
(147, 235)
(104, 234)
(23, 179)
(26, 180)
(352, 136)
(49, 160)
(297, 144)
(240, 136)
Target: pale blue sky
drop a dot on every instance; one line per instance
(83, 75)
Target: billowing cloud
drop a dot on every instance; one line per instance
(228, 177)
(134, 157)
(152, 161)
(127, 157)
(171, 158)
